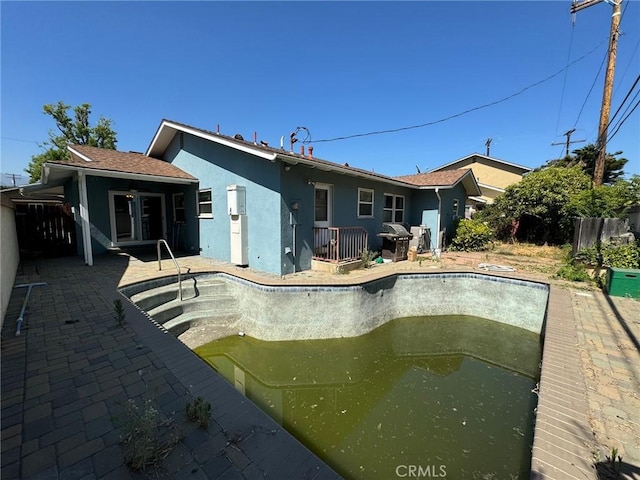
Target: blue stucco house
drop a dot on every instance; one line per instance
(245, 202)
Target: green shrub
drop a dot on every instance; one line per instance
(366, 257)
(471, 236)
(615, 256)
(573, 273)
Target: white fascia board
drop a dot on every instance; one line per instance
(212, 138)
(490, 187)
(78, 154)
(435, 187)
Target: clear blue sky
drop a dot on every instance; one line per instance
(336, 68)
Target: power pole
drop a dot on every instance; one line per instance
(13, 177)
(568, 142)
(488, 145)
(598, 171)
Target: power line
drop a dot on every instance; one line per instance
(624, 120)
(564, 82)
(450, 117)
(19, 140)
(590, 89)
(625, 98)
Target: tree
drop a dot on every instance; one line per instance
(607, 201)
(543, 196)
(586, 158)
(76, 130)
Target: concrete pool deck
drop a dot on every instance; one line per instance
(66, 377)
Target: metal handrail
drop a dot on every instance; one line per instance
(163, 241)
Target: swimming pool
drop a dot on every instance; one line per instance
(220, 305)
(217, 305)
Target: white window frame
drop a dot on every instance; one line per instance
(362, 203)
(394, 207)
(456, 208)
(176, 208)
(200, 203)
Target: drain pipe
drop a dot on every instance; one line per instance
(24, 304)
(439, 210)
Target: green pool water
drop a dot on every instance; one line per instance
(448, 396)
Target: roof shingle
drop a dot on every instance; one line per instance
(434, 179)
(116, 161)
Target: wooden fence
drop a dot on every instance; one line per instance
(45, 230)
(588, 230)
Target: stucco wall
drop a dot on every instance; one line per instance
(298, 187)
(217, 167)
(9, 254)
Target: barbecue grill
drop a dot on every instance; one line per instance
(395, 241)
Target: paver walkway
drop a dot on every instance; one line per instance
(66, 378)
(608, 332)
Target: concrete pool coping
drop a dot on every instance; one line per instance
(562, 447)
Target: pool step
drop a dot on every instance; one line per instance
(218, 304)
(147, 300)
(192, 319)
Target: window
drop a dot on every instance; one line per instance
(178, 207)
(205, 205)
(455, 208)
(322, 205)
(365, 203)
(393, 208)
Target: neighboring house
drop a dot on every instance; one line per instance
(493, 175)
(245, 202)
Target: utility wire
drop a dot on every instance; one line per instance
(624, 120)
(595, 79)
(617, 125)
(564, 82)
(19, 140)
(625, 98)
(620, 122)
(450, 117)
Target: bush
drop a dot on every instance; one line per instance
(366, 257)
(471, 236)
(610, 255)
(148, 436)
(573, 273)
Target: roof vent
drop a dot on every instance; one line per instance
(237, 136)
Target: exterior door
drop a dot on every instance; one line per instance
(136, 218)
(323, 205)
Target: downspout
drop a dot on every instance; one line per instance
(84, 219)
(439, 210)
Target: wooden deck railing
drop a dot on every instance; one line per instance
(339, 244)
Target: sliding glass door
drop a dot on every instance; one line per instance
(136, 217)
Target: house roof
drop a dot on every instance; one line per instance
(168, 128)
(434, 179)
(113, 163)
(129, 162)
(444, 179)
(450, 165)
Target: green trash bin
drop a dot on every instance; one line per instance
(623, 282)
